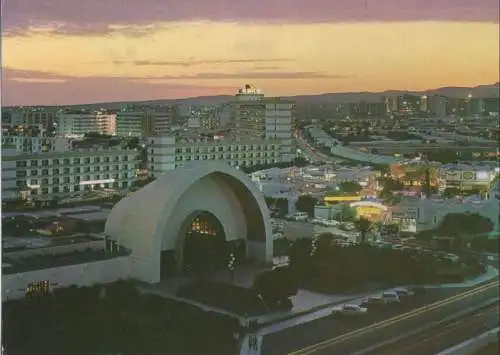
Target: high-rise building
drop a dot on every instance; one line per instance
(279, 125)
(144, 121)
(71, 123)
(408, 104)
(492, 104)
(254, 116)
(33, 117)
(248, 113)
(438, 105)
(424, 104)
(391, 103)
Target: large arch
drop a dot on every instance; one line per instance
(155, 218)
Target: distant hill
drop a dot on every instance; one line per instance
(477, 91)
(454, 92)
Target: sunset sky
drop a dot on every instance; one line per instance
(82, 51)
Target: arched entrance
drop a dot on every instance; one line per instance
(204, 249)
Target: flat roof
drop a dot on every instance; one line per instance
(53, 213)
(92, 216)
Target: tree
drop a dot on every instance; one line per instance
(347, 214)
(450, 192)
(364, 226)
(276, 286)
(350, 187)
(306, 203)
(463, 226)
(390, 185)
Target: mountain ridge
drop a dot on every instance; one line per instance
(483, 91)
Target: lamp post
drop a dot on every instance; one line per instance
(231, 265)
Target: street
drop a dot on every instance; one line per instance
(347, 336)
(443, 336)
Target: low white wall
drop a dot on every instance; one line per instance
(103, 271)
(59, 249)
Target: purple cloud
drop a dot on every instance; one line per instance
(192, 62)
(81, 17)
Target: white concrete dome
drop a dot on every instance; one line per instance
(155, 218)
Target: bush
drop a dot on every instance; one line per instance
(79, 320)
(228, 297)
(276, 286)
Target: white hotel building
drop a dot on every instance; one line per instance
(168, 153)
(52, 175)
(80, 123)
(257, 117)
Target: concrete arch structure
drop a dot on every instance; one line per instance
(155, 218)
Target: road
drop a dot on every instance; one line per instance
(346, 336)
(443, 336)
(309, 150)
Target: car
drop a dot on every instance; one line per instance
(403, 292)
(349, 309)
(373, 302)
(391, 297)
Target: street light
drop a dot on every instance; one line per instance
(231, 266)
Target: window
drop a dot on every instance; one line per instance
(33, 182)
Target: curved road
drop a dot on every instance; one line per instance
(350, 335)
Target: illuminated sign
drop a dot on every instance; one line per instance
(97, 182)
(468, 175)
(342, 198)
(368, 204)
(482, 176)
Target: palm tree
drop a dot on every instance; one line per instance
(364, 226)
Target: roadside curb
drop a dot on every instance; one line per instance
(305, 312)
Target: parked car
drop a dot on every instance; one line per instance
(349, 309)
(373, 302)
(403, 292)
(391, 297)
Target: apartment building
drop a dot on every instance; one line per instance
(138, 121)
(209, 119)
(254, 116)
(28, 116)
(279, 125)
(54, 175)
(38, 144)
(168, 152)
(78, 123)
(467, 177)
